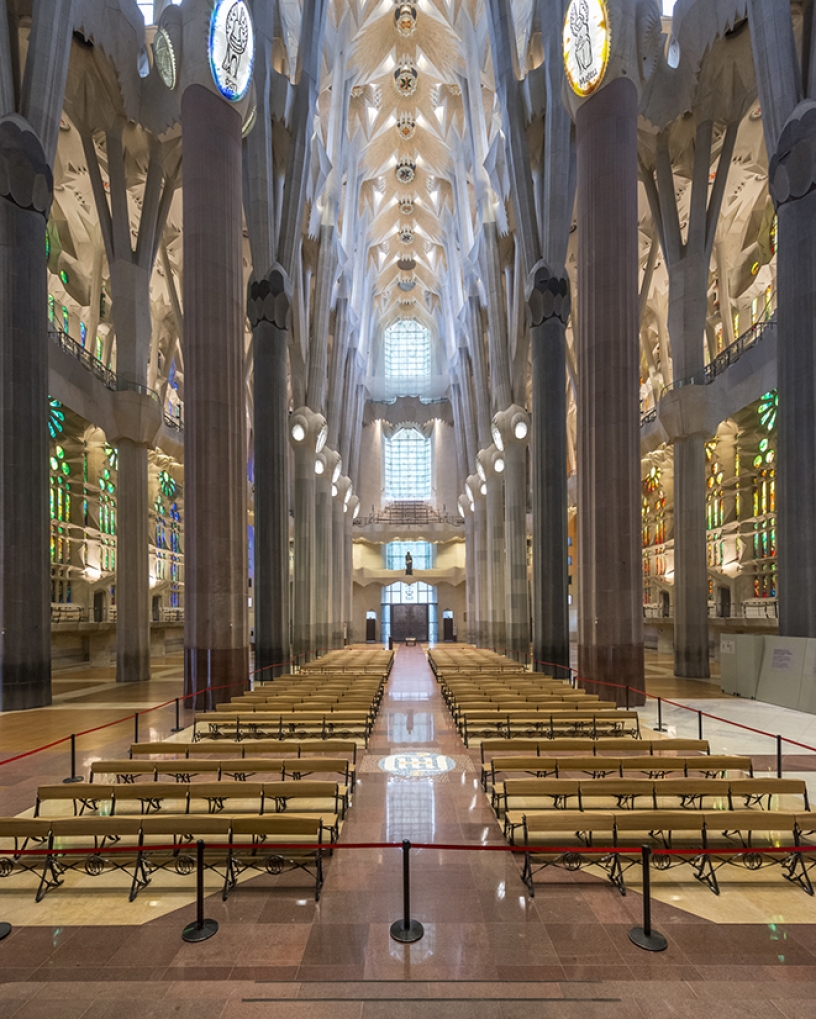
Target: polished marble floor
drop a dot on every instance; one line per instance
(488, 950)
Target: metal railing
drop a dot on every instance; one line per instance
(409, 513)
(723, 360)
(108, 377)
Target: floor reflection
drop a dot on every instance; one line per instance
(410, 726)
(410, 810)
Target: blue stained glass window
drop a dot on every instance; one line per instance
(408, 466)
(422, 552)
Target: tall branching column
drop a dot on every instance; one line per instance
(216, 650)
(28, 145)
(549, 305)
(25, 198)
(268, 311)
(610, 645)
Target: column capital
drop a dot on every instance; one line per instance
(547, 293)
(511, 427)
(489, 461)
(269, 298)
(792, 170)
(307, 430)
(25, 176)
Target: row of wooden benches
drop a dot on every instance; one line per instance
(710, 766)
(751, 839)
(484, 725)
(517, 796)
(305, 796)
(299, 748)
(297, 725)
(135, 846)
(239, 768)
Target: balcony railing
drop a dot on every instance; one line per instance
(406, 513)
(723, 360)
(108, 377)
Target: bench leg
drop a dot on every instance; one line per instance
(49, 878)
(704, 872)
(796, 871)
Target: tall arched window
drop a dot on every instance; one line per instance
(407, 358)
(408, 466)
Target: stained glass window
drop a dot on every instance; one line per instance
(60, 506)
(407, 358)
(65, 320)
(408, 466)
(422, 553)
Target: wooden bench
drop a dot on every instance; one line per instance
(297, 796)
(604, 745)
(139, 842)
(516, 797)
(590, 724)
(294, 725)
(601, 767)
(742, 830)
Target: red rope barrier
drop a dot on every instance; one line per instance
(447, 847)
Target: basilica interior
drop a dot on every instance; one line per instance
(448, 368)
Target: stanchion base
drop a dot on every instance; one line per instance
(5, 930)
(653, 942)
(192, 932)
(73, 778)
(399, 932)
(180, 729)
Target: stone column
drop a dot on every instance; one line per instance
(549, 308)
(690, 583)
(492, 464)
(307, 432)
(611, 638)
(327, 467)
(268, 309)
(511, 428)
(216, 651)
(132, 565)
(341, 491)
(352, 509)
(25, 617)
(473, 488)
(793, 188)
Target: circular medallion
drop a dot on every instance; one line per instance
(232, 48)
(405, 79)
(586, 44)
(405, 171)
(406, 235)
(165, 57)
(416, 764)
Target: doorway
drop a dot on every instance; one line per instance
(447, 627)
(409, 621)
(371, 627)
(99, 607)
(724, 602)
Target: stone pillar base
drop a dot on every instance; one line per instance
(613, 667)
(214, 675)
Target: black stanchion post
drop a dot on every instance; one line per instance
(645, 937)
(177, 727)
(73, 777)
(660, 715)
(699, 725)
(5, 930)
(627, 696)
(202, 929)
(406, 930)
(779, 757)
(136, 727)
